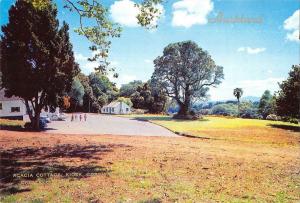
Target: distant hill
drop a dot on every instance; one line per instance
(251, 98)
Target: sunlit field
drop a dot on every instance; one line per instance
(228, 128)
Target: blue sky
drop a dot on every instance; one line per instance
(255, 56)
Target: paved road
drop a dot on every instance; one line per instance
(107, 124)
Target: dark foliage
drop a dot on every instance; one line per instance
(185, 72)
(288, 98)
(37, 60)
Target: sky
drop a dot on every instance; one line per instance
(256, 41)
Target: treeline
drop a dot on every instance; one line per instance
(282, 105)
(90, 93)
(145, 96)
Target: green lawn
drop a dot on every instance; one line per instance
(209, 122)
(11, 124)
(223, 127)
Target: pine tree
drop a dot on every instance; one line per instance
(37, 59)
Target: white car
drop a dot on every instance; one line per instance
(58, 117)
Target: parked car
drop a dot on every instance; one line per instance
(46, 118)
(58, 117)
(43, 124)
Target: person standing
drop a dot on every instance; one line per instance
(72, 118)
(80, 117)
(85, 117)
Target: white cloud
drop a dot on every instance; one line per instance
(114, 63)
(86, 66)
(89, 66)
(187, 13)
(80, 57)
(122, 79)
(250, 88)
(291, 24)
(250, 50)
(125, 13)
(147, 61)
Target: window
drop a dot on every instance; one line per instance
(112, 109)
(127, 109)
(15, 109)
(0, 106)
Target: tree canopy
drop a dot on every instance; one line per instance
(266, 104)
(127, 90)
(37, 58)
(185, 72)
(77, 92)
(288, 98)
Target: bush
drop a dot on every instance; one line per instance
(204, 111)
(290, 119)
(225, 109)
(138, 111)
(294, 120)
(273, 117)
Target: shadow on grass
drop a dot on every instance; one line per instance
(12, 127)
(32, 163)
(20, 128)
(155, 200)
(286, 127)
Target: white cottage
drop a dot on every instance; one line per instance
(116, 107)
(12, 108)
(15, 108)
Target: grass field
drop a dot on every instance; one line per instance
(6, 123)
(239, 161)
(227, 128)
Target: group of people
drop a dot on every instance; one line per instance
(80, 117)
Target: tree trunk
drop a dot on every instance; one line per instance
(184, 110)
(238, 107)
(36, 122)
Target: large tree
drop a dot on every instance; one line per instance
(266, 104)
(127, 90)
(104, 90)
(76, 94)
(37, 59)
(288, 98)
(185, 72)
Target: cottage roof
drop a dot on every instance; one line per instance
(3, 98)
(114, 104)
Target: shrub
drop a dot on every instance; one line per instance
(225, 109)
(290, 119)
(204, 111)
(273, 117)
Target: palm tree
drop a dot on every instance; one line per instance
(238, 92)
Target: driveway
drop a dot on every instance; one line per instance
(107, 124)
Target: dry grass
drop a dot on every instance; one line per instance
(157, 169)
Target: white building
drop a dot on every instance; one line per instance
(116, 107)
(13, 107)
